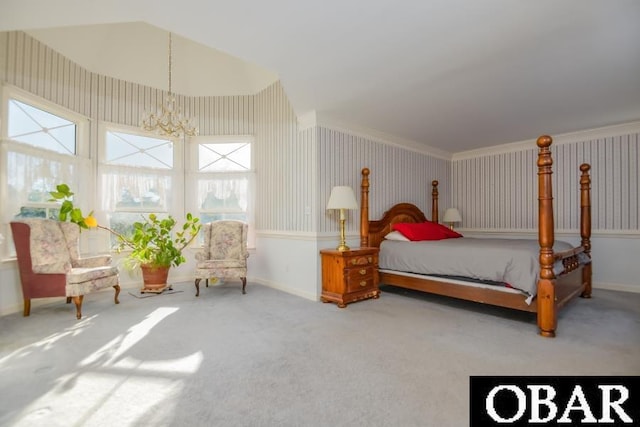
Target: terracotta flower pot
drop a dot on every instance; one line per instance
(154, 278)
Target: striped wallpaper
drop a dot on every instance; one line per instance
(285, 166)
(296, 169)
(34, 67)
(500, 191)
(397, 175)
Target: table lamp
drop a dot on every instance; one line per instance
(451, 216)
(342, 197)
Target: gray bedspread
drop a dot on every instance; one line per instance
(511, 261)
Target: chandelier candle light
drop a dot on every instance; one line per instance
(168, 119)
(342, 197)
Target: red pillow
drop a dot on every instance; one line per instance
(449, 232)
(425, 231)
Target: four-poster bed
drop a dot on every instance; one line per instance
(552, 286)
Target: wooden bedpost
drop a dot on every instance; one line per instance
(546, 297)
(434, 201)
(364, 209)
(585, 225)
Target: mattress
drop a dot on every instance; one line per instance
(513, 263)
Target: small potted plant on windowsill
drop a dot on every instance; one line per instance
(154, 245)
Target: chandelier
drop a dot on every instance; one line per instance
(168, 119)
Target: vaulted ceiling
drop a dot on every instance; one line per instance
(452, 74)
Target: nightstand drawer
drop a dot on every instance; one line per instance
(360, 284)
(361, 260)
(359, 272)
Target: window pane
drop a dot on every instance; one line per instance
(223, 195)
(30, 178)
(225, 182)
(135, 150)
(122, 222)
(41, 129)
(135, 192)
(31, 212)
(224, 157)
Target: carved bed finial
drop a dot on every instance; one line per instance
(544, 141)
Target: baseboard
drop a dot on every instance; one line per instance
(17, 308)
(39, 302)
(621, 287)
(286, 289)
(135, 283)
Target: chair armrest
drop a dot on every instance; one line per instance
(201, 256)
(94, 261)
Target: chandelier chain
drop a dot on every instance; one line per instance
(168, 120)
(170, 56)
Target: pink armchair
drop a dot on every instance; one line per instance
(50, 265)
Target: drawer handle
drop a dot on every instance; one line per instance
(363, 272)
(363, 283)
(370, 260)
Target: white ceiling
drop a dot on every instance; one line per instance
(139, 52)
(452, 74)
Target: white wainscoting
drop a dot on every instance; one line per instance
(289, 262)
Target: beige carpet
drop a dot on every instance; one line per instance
(272, 359)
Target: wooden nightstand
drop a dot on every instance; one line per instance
(350, 275)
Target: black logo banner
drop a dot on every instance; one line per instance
(562, 400)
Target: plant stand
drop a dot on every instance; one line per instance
(155, 289)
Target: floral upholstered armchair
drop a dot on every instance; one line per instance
(50, 264)
(224, 253)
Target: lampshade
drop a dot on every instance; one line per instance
(342, 197)
(452, 215)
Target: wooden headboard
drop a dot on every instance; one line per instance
(372, 232)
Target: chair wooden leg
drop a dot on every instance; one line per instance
(115, 298)
(198, 287)
(78, 302)
(244, 284)
(206, 282)
(68, 300)
(27, 307)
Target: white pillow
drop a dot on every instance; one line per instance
(396, 235)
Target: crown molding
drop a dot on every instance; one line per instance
(565, 138)
(313, 118)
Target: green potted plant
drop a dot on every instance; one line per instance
(154, 245)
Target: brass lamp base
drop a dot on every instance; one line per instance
(343, 242)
